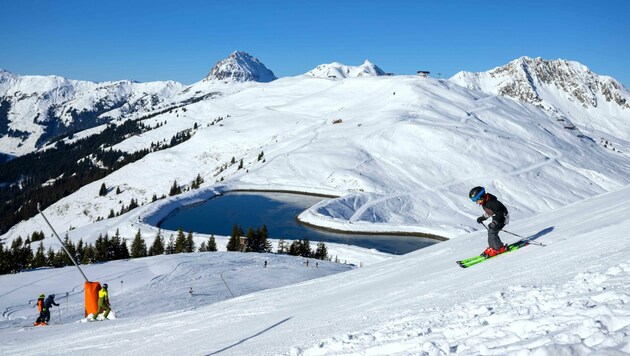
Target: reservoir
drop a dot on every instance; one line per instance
(278, 211)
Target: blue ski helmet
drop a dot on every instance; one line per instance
(476, 193)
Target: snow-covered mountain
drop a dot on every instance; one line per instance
(240, 67)
(576, 95)
(338, 70)
(36, 109)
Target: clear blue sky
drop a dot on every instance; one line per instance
(182, 40)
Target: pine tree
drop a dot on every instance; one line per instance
(282, 247)
(88, 254)
(63, 256)
(202, 247)
(157, 248)
(138, 246)
(175, 189)
(39, 260)
(252, 243)
(101, 249)
(113, 250)
(234, 243)
(265, 243)
(180, 241)
(124, 251)
(240, 165)
(190, 243)
(321, 252)
(103, 191)
(170, 248)
(79, 251)
(50, 257)
(212, 244)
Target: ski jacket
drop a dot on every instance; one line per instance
(49, 302)
(40, 304)
(495, 209)
(103, 296)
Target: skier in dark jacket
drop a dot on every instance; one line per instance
(48, 303)
(498, 212)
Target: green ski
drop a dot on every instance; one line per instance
(478, 259)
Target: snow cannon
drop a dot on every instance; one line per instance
(91, 297)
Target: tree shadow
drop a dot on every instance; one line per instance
(251, 337)
(540, 233)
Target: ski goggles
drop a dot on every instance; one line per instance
(479, 196)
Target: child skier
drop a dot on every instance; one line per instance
(41, 309)
(499, 213)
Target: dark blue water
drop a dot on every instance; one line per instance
(278, 211)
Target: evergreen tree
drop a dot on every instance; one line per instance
(138, 246)
(240, 165)
(103, 191)
(50, 257)
(4, 260)
(252, 237)
(113, 250)
(39, 260)
(175, 189)
(118, 191)
(282, 247)
(265, 243)
(124, 251)
(234, 242)
(212, 244)
(321, 252)
(170, 247)
(88, 254)
(157, 248)
(79, 251)
(190, 243)
(64, 259)
(101, 249)
(202, 247)
(180, 242)
(111, 214)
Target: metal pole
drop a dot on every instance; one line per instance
(62, 245)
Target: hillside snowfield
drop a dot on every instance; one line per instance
(570, 297)
(402, 156)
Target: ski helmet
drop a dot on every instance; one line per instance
(105, 285)
(42, 296)
(476, 193)
(52, 295)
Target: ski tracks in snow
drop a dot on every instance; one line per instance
(588, 314)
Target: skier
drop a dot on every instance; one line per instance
(103, 302)
(499, 213)
(48, 303)
(41, 309)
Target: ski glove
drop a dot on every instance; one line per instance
(481, 219)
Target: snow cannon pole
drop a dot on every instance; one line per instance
(524, 238)
(61, 242)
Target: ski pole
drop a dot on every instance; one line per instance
(59, 310)
(517, 235)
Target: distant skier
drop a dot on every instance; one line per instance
(500, 217)
(103, 302)
(48, 303)
(41, 309)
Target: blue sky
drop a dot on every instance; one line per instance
(182, 40)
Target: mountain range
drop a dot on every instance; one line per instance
(398, 151)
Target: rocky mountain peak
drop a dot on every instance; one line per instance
(240, 66)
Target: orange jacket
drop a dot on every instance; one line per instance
(40, 304)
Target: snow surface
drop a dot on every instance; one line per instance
(400, 154)
(570, 297)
